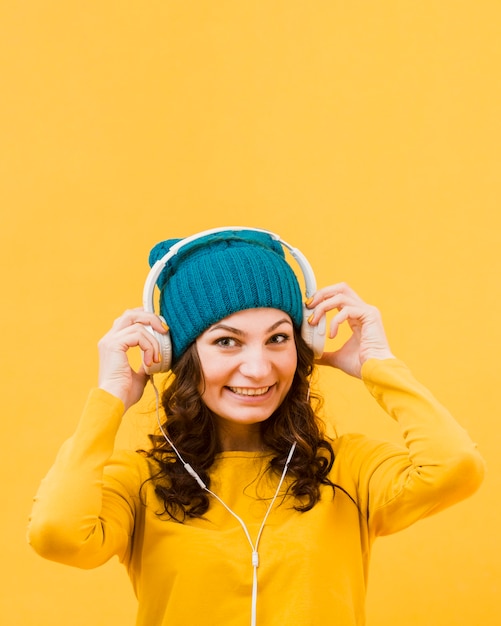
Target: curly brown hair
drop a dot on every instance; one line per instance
(190, 426)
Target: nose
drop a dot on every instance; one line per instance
(255, 364)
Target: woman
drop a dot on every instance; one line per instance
(243, 510)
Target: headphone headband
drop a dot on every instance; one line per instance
(314, 337)
(158, 266)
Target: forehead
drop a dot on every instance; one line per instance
(261, 318)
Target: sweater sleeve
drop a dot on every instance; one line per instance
(83, 513)
(438, 466)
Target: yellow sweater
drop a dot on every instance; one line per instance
(313, 566)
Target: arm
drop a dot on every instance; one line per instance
(439, 464)
(71, 521)
(82, 514)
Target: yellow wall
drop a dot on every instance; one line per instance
(365, 133)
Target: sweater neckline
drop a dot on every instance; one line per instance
(243, 454)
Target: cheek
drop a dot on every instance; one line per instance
(214, 373)
(288, 366)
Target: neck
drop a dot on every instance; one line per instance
(240, 438)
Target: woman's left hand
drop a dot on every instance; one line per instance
(368, 339)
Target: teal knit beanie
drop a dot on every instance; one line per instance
(218, 275)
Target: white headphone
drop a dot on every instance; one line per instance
(314, 336)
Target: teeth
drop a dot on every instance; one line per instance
(245, 391)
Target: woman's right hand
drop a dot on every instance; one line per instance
(116, 375)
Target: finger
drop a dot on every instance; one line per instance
(127, 318)
(135, 335)
(352, 314)
(333, 301)
(325, 359)
(140, 316)
(141, 376)
(139, 335)
(331, 290)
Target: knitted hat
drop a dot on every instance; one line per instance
(219, 274)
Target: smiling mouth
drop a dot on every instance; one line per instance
(247, 391)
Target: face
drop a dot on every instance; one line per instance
(248, 362)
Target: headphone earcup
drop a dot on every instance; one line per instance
(314, 336)
(165, 345)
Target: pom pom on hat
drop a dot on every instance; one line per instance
(218, 275)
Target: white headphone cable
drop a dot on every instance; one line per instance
(254, 547)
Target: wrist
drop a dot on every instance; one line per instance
(376, 353)
(114, 390)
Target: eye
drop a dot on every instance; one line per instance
(226, 342)
(279, 338)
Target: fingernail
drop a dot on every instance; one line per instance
(309, 301)
(163, 322)
(310, 319)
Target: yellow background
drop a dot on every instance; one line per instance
(365, 133)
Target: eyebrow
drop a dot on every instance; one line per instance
(238, 331)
